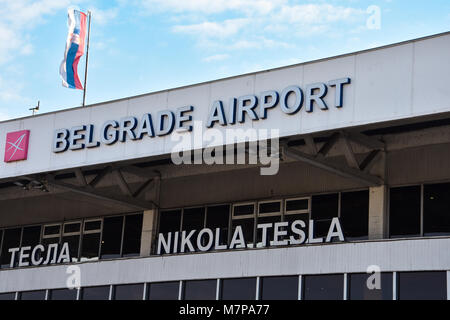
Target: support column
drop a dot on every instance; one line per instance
(378, 212)
(148, 231)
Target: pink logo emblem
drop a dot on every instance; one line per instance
(17, 145)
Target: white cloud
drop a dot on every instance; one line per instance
(216, 57)
(18, 18)
(213, 29)
(212, 6)
(10, 91)
(102, 17)
(314, 14)
(269, 26)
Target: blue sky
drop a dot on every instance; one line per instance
(150, 45)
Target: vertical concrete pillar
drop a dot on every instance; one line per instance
(148, 231)
(378, 212)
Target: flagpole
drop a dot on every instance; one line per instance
(87, 58)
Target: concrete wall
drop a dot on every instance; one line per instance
(395, 82)
(394, 255)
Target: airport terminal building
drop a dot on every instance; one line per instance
(352, 200)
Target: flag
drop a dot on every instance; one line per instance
(74, 49)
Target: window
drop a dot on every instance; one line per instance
(422, 285)
(324, 208)
(33, 295)
(299, 205)
(31, 236)
(64, 294)
(244, 216)
(132, 235)
(436, 209)
(112, 237)
(268, 212)
(193, 219)
(218, 217)
(279, 288)
(359, 290)
(164, 291)
(297, 209)
(169, 221)
(71, 235)
(7, 296)
(323, 287)
(51, 235)
(95, 293)
(404, 211)
(355, 214)
(238, 289)
(91, 240)
(129, 292)
(200, 290)
(11, 239)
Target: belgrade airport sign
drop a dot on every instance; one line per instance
(207, 239)
(290, 101)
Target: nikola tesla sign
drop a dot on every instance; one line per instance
(224, 113)
(282, 234)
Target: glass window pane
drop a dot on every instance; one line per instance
(295, 205)
(31, 236)
(52, 230)
(132, 235)
(90, 246)
(164, 291)
(63, 294)
(48, 241)
(323, 287)
(74, 246)
(324, 206)
(92, 225)
(238, 289)
(359, 290)
(247, 229)
(169, 221)
(7, 296)
(32, 295)
(279, 288)
(270, 207)
(436, 209)
(72, 227)
(129, 292)
(404, 211)
(263, 220)
(242, 210)
(422, 285)
(200, 290)
(11, 239)
(112, 237)
(218, 217)
(321, 228)
(355, 214)
(95, 293)
(193, 219)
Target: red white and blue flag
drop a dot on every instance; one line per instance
(74, 49)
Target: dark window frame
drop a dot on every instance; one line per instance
(422, 212)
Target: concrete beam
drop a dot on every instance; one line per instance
(364, 140)
(378, 212)
(342, 171)
(148, 231)
(89, 191)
